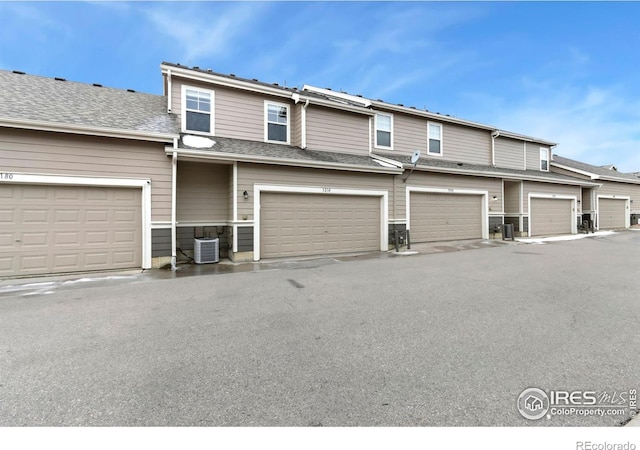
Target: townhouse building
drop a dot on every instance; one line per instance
(94, 178)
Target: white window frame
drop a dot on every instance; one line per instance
(429, 152)
(268, 103)
(544, 150)
(375, 131)
(184, 110)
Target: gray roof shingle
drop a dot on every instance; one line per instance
(281, 152)
(35, 98)
(436, 163)
(596, 170)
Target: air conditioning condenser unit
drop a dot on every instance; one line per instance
(206, 250)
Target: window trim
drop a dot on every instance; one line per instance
(546, 150)
(183, 109)
(429, 123)
(268, 103)
(375, 131)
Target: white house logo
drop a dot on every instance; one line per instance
(533, 403)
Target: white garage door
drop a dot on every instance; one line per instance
(54, 229)
(550, 216)
(445, 217)
(312, 224)
(611, 213)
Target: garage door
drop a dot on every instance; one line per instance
(53, 229)
(550, 216)
(312, 224)
(445, 217)
(611, 213)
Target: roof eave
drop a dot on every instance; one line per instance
(506, 176)
(233, 157)
(592, 175)
(87, 130)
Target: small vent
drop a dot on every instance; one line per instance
(59, 79)
(130, 90)
(97, 85)
(18, 72)
(206, 250)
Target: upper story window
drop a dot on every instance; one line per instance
(276, 122)
(544, 159)
(434, 138)
(197, 110)
(384, 130)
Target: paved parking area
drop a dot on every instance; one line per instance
(436, 339)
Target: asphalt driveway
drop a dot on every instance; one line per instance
(441, 339)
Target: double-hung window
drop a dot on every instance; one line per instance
(384, 131)
(276, 122)
(434, 139)
(544, 159)
(197, 110)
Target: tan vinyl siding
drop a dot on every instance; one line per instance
(337, 131)
(509, 153)
(237, 114)
(586, 199)
(202, 194)
(624, 190)
(409, 134)
(511, 197)
(546, 188)
(36, 152)
(296, 125)
(466, 144)
(250, 174)
(533, 155)
(435, 180)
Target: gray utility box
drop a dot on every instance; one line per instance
(206, 250)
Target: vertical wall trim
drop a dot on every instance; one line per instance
(234, 243)
(174, 184)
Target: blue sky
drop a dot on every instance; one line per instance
(568, 72)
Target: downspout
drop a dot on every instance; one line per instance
(370, 142)
(174, 173)
(303, 125)
(494, 135)
(169, 91)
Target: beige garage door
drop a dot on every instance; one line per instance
(53, 229)
(445, 217)
(611, 213)
(312, 224)
(550, 216)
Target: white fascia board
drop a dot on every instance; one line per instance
(438, 117)
(505, 176)
(522, 137)
(334, 105)
(591, 175)
(235, 157)
(393, 162)
(352, 98)
(226, 81)
(87, 130)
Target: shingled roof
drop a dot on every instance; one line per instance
(39, 99)
(440, 165)
(285, 154)
(597, 172)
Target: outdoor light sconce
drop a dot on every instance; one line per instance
(245, 194)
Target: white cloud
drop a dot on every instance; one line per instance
(597, 125)
(201, 30)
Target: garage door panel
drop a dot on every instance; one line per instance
(550, 216)
(441, 217)
(312, 224)
(62, 229)
(612, 213)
